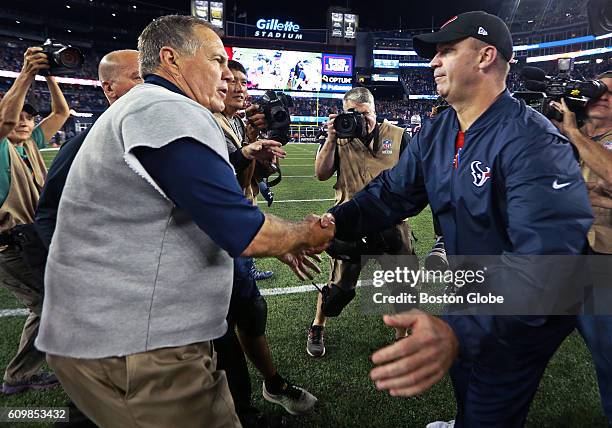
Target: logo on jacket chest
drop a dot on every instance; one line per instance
(480, 173)
(387, 147)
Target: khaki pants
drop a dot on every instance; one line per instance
(25, 284)
(165, 388)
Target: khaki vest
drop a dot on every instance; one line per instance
(26, 185)
(245, 177)
(600, 235)
(357, 164)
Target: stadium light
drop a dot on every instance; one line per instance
(575, 54)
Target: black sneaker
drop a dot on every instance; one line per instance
(41, 380)
(295, 400)
(436, 260)
(315, 345)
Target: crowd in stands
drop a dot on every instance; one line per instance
(417, 81)
(398, 110)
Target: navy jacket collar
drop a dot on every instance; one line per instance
(490, 115)
(160, 81)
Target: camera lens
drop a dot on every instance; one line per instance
(69, 58)
(280, 116)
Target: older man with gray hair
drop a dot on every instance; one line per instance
(139, 273)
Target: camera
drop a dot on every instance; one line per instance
(275, 107)
(63, 59)
(351, 124)
(543, 89)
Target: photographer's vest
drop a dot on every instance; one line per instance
(357, 164)
(27, 180)
(235, 142)
(600, 234)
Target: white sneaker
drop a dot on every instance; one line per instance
(295, 400)
(441, 424)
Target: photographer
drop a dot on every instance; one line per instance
(248, 310)
(357, 160)
(22, 175)
(594, 144)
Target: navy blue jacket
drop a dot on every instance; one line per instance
(517, 191)
(509, 194)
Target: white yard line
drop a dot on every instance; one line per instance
(14, 312)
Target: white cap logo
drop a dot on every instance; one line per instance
(482, 31)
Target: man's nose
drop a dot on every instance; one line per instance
(435, 61)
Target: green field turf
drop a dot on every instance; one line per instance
(568, 395)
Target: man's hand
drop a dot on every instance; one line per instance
(255, 117)
(331, 131)
(264, 150)
(600, 194)
(569, 123)
(412, 365)
(34, 60)
(321, 232)
(301, 265)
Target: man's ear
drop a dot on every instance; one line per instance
(168, 58)
(488, 55)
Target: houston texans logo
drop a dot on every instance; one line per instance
(480, 176)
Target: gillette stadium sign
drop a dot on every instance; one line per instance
(275, 29)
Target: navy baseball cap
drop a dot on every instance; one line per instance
(478, 24)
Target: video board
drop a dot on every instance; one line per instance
(295, 70)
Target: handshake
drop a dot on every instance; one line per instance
(310, 237)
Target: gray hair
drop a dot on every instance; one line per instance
(359, 95)
(175, 31)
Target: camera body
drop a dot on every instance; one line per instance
(63, 59)
(542, 90)
(351, 124)
(275, 107)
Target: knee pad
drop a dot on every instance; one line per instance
(335, 298)
(252, 316)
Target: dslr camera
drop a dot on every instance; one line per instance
(63, 59)
(275, 106)
(543, 89)
(351, 124)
